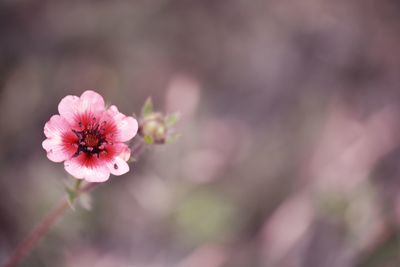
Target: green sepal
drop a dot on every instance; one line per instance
(172, 119)
(147, 107)
(71, 197)
(148, 140)
(73, 193)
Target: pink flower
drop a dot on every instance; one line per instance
(89, 138)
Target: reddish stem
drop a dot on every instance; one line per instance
(41, 229)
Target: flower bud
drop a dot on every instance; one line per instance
(153, 127)
(156, 127)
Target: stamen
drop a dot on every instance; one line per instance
(91, 140)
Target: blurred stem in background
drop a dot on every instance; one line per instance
(42, 228)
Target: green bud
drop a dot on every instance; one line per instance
(153, 126)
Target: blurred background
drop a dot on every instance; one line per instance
(289, 154)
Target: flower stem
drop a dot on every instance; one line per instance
(42, 228)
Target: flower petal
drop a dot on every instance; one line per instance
(125, 153)
(55, 151)
(119, 153)
(60, 140)
(56, 127)
(72, 108)
(69, 107)
(91, 101)
(97, 174)
(127, 127)
(118, 166)
(92, 173)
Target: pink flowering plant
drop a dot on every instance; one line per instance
(91, 140)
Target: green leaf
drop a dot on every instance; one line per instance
(172, 119)
(147, 107)
(148, 140)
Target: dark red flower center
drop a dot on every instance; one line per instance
(91, 140)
